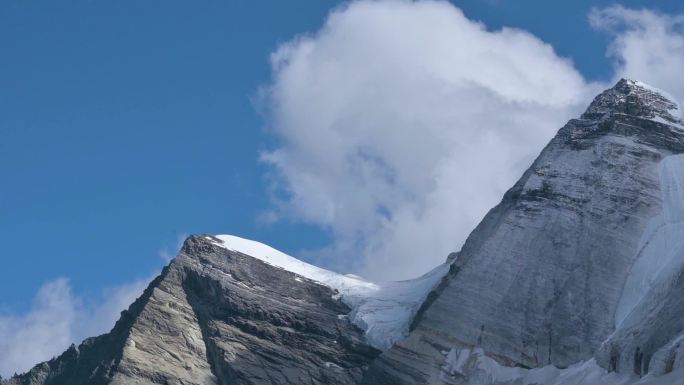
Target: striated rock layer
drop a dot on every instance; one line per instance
(216, 316)
(539, 281)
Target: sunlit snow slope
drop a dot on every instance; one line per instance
(383, 310)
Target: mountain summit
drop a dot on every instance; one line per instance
(631, 97)
(574, 278)
(540, 280)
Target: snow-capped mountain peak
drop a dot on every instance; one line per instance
(637, 99)
(581, 241)
(383, 310)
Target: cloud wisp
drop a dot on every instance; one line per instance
(58, 318)
(646, 45)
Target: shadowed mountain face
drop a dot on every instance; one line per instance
(580, 265)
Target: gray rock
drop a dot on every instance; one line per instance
(538, 281)
(219, 317)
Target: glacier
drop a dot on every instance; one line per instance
(661, 249)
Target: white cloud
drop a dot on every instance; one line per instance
(401, 123)
(43, 332)
(58, 318)
(646, 45)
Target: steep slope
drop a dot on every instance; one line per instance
(539, 281)
(383, 310)
(218, 316)
(229, 310)
(93, 360)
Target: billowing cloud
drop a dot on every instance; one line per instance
(401, 123)
(58, 318)
(646, 45)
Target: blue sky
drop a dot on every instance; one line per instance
(126, 125)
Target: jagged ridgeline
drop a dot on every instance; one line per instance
(576, 277)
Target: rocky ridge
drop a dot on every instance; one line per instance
(217, 316)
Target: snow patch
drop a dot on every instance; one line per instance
(661, 248)
(383, 310)
(332, 365)
(675, 112)
(479, 369)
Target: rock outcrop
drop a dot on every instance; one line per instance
(216, 316)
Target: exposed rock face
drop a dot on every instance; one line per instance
(95, 359)
(538, 282)
(215, 316)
